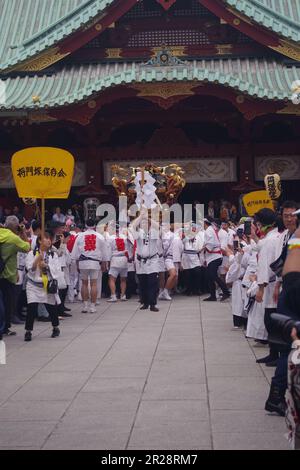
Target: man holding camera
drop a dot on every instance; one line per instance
(288, 302)
(13, 239)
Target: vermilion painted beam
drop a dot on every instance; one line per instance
(254, 31)
(82, 37)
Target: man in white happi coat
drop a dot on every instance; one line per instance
(119, 254)
(90, 251)
(266, 279)
(168, 245)
(213, 259)
(147, 235)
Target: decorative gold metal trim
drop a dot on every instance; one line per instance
(224, 49)
(288, 49)
(40, 117)
(41, 62)
(113, 53)
(165, 90)
(177, 51)
(289, 108)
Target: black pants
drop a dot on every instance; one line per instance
(267, 319)
(148, 287)
(131, 285)
(62, 296)
(8, 294)
(213, 278)
(192, 280)
(32, 310)
(239, 321)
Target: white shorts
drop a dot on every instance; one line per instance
(169, 264)
(115, 272)
(161, 263)
(92, 274)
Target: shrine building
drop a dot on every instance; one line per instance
(204, 83)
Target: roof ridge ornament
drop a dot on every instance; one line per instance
(164, 57)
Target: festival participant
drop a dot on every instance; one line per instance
(192, 243)
(276, 399)
(73, 271)
(167, 240)
(238, 263)
(64, 258)
(213, 258)
(265, 221)
(118, 245)
(36, 230)
(226, 236)
(43, 271)
(89, 251)
(146, 232)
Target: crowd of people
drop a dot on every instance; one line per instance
(153, 261)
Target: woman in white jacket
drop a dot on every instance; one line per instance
(43, 268)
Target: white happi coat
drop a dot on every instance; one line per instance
(235, 275)
(147, 246)
(266, 256)
(212, 245)
(90, 245)
(191, 252)
(224, 240)
(34, 291)
(256, 326)
(64, 259)
(118, 259)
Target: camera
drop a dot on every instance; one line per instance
(247, 227)
(281, 327)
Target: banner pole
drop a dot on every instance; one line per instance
(43, 216)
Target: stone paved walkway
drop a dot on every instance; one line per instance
(126, 379)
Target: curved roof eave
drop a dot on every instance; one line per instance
(259, 79)
(283, 18)
(17, 46)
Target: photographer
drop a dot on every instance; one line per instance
(288, 305)
(44, 270)
(13, 239)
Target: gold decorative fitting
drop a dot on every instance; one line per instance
(240, 99)
(40, 117)
(36, 99)
(92, 104)
(98, 27)
(42, 61)
(288, 49)
(289, 108)
(165, 90)
(113, 53)
(236, 22)
(224, 49)
(178, 51)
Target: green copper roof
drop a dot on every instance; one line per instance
(28, 27)
(280, 16)
(257, 78)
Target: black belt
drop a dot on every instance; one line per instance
(141, 258)
(35, 283)
(86, 258)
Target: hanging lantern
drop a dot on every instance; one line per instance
(273, 186)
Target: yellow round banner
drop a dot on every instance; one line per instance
(43, 172)
(257, 200)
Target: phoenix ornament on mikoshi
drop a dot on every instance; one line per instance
(150, 184)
